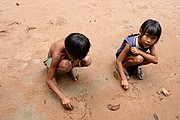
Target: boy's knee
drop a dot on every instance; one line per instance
(86, 61)
(65, 66)
(139, 59)
(155, 62)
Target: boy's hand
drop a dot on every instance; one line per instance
(135, 51)
(76, 63)
(67, 104)
(124, 84)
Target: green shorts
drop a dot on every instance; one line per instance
(47, 62)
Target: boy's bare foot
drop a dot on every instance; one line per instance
(73, 74)
(125, 85)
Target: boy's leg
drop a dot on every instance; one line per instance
(138, 71)
(64, 66)
(85, 62)
(136, 61)
(82, 63)
(74, 75)
(133, 60)
(131, 64)
(145, 62)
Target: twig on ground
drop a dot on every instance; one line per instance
(30, 28)
(14, 23)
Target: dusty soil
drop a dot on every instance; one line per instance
(27, 30)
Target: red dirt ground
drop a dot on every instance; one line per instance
(27, 30)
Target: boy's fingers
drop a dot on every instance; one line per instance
(71, 107)
(125, 87)
(68, 106)
(65, 105)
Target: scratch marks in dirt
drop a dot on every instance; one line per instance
(30, 28)
(131, 94)
(3, 33)
(17, 28)
(16, 23)
(6, 29)
(58, 22)
(82, 108)
(128, 94)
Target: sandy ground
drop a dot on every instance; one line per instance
(27, 30)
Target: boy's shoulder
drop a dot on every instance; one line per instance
(57, 47)
(132, 36)
(131, 39)
(60, 41)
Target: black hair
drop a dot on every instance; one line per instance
(77, 45)
(151, 27)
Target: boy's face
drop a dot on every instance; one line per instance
(70, 56)
(73, 59)
(148, 40)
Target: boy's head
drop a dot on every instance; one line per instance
(151, 27)
(77, 45)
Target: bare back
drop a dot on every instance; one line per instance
(57, 48)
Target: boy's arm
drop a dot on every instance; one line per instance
(121, 58)
(151, 57)
(51, 84)
(154, 53)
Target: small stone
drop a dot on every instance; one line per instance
(44, 101)
(17, 4)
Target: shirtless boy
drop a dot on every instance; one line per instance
(63, 56)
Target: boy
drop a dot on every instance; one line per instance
(63, 56)
(133, 51)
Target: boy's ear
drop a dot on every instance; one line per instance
(140, 32)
